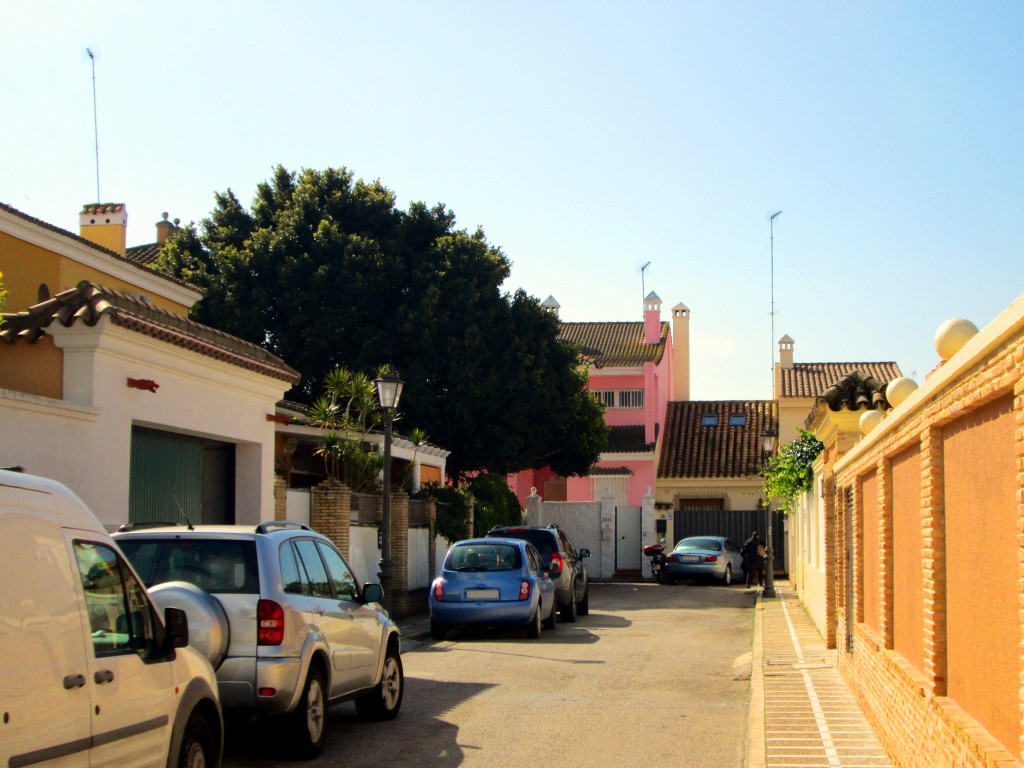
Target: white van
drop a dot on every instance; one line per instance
(89, 673)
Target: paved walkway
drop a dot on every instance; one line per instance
(803, 713)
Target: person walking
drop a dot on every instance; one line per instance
(753, 560)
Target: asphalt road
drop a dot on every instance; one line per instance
(654, 675)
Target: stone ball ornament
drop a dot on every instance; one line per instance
(899, 390)
(869, 420)
(952, 335)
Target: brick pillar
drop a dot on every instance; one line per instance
(280, 498)
(399, 587)
(885, 613)
(933, 523)
(331, 513)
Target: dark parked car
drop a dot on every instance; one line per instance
(567, 570)
(698, 557)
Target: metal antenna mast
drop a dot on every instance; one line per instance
(771, 230)
(643, 288)
(95, 124)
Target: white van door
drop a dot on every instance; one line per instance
(132, 699)
(44, 694)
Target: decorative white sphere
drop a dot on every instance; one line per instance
(899, 390)
(952, 335)
(869, 420)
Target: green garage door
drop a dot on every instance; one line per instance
(166, 478)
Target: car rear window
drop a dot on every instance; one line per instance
(543, 540)
(215, 565)
(484, 557)
(712, 544)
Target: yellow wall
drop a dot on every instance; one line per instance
(26, 266)
(35, 369)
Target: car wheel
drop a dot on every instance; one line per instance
(727, 579)
(569, 609)
(549, 622)
(583, 606)
(197, 748)
(384, 701)
(307, 725)
(437, 629)
(533, 628)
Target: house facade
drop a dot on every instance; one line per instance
(635, 369)
(107, 387)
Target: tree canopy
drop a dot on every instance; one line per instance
(791, 472)
(325, 270)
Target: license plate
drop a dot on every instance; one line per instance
(691, 558)
(482, 594)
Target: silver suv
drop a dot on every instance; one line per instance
(282, 619)
(567, 569)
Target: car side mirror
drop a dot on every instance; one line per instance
(373, 593)
(176, 626)
(584, 553)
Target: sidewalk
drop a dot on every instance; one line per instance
(802, 712)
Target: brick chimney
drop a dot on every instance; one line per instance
(551, 305)
(680, 352)
(164, 228)
(786, 352)
(652, 318)
(105, 224)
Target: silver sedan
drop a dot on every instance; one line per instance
(702, 557)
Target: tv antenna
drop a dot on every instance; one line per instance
(95, 124)
(643, 288)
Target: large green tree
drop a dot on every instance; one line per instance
(325, 271)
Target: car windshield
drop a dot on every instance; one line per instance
(701, 544)
(484, 557)
(216, 565)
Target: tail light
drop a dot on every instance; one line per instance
(557, 564)
(439, 590)
(270, 623)
(671, 558)
(711, 558)
(524, 590)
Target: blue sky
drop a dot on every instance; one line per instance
(586, 138)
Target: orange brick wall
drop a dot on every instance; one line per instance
(938, 638)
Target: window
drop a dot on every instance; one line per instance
(709, 420)
(345, 586)
(319, 581)
(120, 617)
(737, 419)
(621, 398)
(631, 398)
(292, 577)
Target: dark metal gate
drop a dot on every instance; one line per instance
(736, 524)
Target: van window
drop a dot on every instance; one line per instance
(120, 618)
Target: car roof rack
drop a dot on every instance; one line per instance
(273, 525)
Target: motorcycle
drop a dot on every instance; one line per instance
(656, 554)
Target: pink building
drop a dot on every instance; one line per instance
(635, 369)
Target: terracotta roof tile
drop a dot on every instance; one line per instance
(143, 265)
(88, 302)
(812, 379)
(143, 254)
(615, 343)
(628, 439)
(610, 471)
(854, 392)
(690, 449)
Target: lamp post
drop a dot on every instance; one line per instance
(768, 447)
(389, 390)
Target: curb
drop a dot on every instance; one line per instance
(757, 755)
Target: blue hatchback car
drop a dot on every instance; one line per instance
(492, 581)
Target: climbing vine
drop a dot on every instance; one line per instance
(790, 472)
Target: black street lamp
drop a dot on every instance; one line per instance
(768, 447)
(389, 390)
